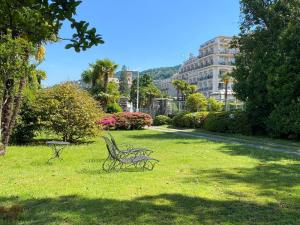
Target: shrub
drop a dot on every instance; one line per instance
(214, 105)
(108, 122)
(177, 120)
(194, 120)
(114, 108)
(27, 123)
(162, 120)
(190, 120)
(217, 122)
(196, 102)
(228, 122)
(239, 123)
(284, 121)
(69, 111)
(126, 121)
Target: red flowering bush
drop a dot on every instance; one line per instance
(108, 122)
(126, 121)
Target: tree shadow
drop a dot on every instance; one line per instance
(263, 155)
(265, 177)
(157, 209)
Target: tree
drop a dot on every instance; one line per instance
(98, 74)
(124, 86)
(267, 67)
(214, 105)
(180, 86)
(69, 111)
(152, 92)
(196, 102)
(38, 22)
(13, 66)
(144, 82)
(226, 79)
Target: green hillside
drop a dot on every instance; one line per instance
(157, 73)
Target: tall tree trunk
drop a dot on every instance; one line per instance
(105, 83)
(16, 108)
(7, 109)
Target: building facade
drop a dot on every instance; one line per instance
(215, 58)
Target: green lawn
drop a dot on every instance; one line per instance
(196, 182)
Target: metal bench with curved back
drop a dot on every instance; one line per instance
(129, 148)
(117, 161)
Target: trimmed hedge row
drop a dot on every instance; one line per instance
(189, 120)
(126, 121)
(162, 120)
(223, 122)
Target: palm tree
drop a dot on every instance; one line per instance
(180, 86)
(98, 75)
(226, 79)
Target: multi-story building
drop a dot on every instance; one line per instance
(215, 58)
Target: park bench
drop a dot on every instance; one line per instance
(117, 160)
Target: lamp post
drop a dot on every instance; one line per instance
(138, 92)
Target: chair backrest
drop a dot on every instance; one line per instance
(113, 141)
(111, 148)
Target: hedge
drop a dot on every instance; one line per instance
(162, 120)
(190, 120)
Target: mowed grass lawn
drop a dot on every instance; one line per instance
(196, 182)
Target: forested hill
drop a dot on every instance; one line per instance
(157, 73)
(162, 72)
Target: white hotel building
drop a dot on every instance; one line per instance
(215, 58)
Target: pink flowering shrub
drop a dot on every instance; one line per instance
(126, 121)
(108, 122)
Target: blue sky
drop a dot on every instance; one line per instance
(142, 34)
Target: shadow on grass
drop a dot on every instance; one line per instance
(265, 177)
(158, 209)
(42, 142)
(263, 155)
(101, 171)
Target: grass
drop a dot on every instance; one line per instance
(196, 182)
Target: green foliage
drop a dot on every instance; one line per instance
(113, 92)
(113, 108)
(147, 91)
(194, 120)
(162, 72)
(124, 85)
(196, 102)
(228, 122)
(177, 119)
(190, 120)
(98, 74)
(69, 111)
(284, 121)
(183, 88)
(41, 21)
(162, 120)
(217, 122)
(267, 68)
(27, 123)
(214, 105)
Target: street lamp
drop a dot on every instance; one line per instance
(138, 92)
